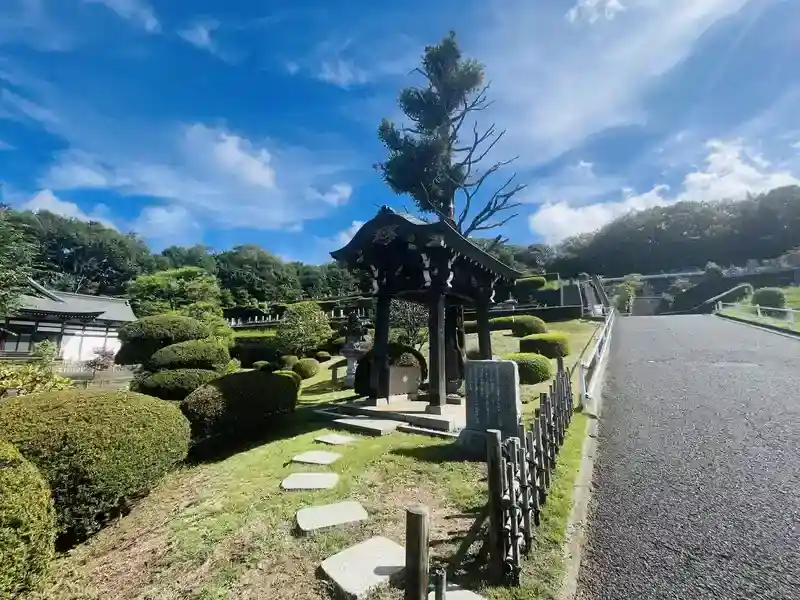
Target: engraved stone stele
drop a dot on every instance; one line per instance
(492, 402)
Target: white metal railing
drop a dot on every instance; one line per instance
(789, 316)
(586, 365)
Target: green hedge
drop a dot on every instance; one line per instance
(306, 367)
(254, 349)
(769, 297)
(287, 361)
(295, 377)
(336, 344)
(239, 406)
(193, 354)
(397, 353)
(552, 345)
(27, 524)
(525, 287)
(527, 325)
(98, 450)
(141, 339)
(533, 368)
(173, 385)
(323, 356)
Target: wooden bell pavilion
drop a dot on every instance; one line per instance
(430, 264)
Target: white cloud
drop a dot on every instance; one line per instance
(343, 237)
(593, 10)
(554, 84)
(199, 34)
(731, 171)
(136, 11)
(341, 73)
(213, 173)
(573, 185)
(167, 225)
(46, 200)
(29, 22)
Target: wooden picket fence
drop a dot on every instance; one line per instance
(519, 475)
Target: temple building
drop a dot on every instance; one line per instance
(78, 324)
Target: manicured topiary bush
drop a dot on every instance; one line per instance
(336, 344)
(27, 524)
(263, 365)
(253, 348)
(98, 450)
(239, 406)
(306, 367)
(141, 339)
(294, 376)
(552, 345)
(501, 323)
(769, 297)
(173, 385)
(396, 352)
(528, 325)
(323, 356)
(288, 361)
(192, 354)
(533, 368)
(524, 288)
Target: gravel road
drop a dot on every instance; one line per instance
(697, 484)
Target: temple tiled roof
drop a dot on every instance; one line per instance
(42, 301)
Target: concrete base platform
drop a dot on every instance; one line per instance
(368, 426)
(453, 417)
(360, 569)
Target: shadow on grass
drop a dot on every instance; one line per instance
(303, 420)
(322, 387)
(437, 453)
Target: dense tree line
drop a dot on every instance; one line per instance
(687, 235)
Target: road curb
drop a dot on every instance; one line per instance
(582, 492)
(761, 326)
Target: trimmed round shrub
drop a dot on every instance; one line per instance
(288, 361)
(141, 339)
(294, 376)
(528, 325)
(533, 368)
(323, 356)
(552, 345)
(239, 406)
(395, 351)
(525, 287)
(263, 365)
(27, 524)
(251, 349)
(769, 297)
(501, 323)
(98, 450)
(336, 344)
(173, 385)
(306, 367)
(193, 354)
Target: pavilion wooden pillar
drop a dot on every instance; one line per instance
(379, 369)
(437, 365)
(484, 333)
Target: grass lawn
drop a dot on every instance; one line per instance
(225, 530)
(749, 313)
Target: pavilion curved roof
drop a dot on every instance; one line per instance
(389, 227)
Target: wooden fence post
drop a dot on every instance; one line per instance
(495, 476)
(417, 548)
(525, 485)
(514, 536)
(544, 455)
(534, 474)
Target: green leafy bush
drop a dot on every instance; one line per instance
(192, 354)
(27, 524)
(172, 385)
(294, 376)
(501, 323)
(239, 406)
(336, 344)
(552, 345)
(533, 368)
(264, 365)
(304, 326)
(141, 339)
(528, 325)
(323, 356)
(524, 288)
(306, 367)
(250, 349)
(30, 378)
(769, 297)
(98, 450)
(288, 361)
(396, 353)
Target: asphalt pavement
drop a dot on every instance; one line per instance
(696, 489)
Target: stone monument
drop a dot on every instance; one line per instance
(357, 343)
(492, 401)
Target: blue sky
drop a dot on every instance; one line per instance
(243, 121)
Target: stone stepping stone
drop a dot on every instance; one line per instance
(319, 517)
(317, 457)
(310, 481)
(359, 569)
(335, 439)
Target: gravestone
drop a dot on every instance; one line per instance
(492, 401)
